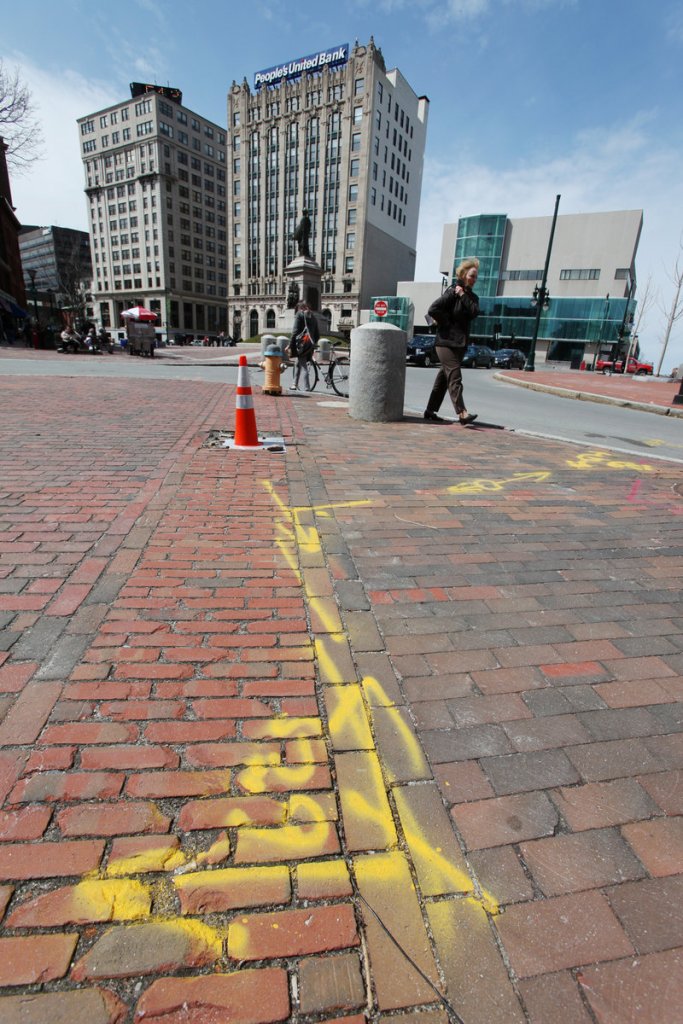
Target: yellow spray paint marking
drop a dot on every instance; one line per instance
(601, 460)
(153, 859)
(356, 803)
(484, 486)
(268, 780)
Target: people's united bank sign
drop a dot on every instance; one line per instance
(302, 65)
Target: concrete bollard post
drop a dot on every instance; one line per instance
(266, 341)
(377, 378)
(324, 350)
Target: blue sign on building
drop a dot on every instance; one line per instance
(302, 65)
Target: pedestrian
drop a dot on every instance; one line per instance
(303, 343)
(453, 313)
(220, 341)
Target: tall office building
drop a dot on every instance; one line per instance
(155, 180)
(338, 135)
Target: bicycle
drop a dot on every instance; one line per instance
(336, 376)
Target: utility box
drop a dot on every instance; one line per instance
(141, 338)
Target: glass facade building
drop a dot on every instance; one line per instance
(591, 279)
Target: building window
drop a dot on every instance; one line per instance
(348, 265)
(351, 240)
(359, 87)
(351, 216)
(354, 168)
(580, 275)
(353, 193)
(357, 115)
(145, 128)
(87, 128)
(145, 107)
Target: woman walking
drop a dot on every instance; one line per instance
(303, 343)
(453, 313)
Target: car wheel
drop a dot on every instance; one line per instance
(430, 360)
(641, 373)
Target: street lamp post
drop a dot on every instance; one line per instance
(541, 298)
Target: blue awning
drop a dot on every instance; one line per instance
(17, 310)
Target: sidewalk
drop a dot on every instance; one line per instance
(260, 712)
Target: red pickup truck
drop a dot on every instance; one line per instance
(634, 365)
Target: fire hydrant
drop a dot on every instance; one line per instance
(272, 364)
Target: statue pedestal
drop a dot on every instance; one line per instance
(305, 273)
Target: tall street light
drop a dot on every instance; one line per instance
(541, 297)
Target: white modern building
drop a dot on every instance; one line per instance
(336, 134)
(156, 186)
(590, 284)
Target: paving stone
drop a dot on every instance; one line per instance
(553, 997)
(439, 863)
(517, 773)
(504, 820)
(368, 822)
(330, 983)
(586, 861)
(477, 741)
(401, 752)
(501, 875)
(658, 844)
(158, 948)
(477, 980)
(649, 910)
(568, 931)
(244, 997)
(285, 933)
(601, 804)
(462, 781)
(666, 789)
(385, 885)
(646, 989)
(35, 959)
(87, 1006)
(613, 760)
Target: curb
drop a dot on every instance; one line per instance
(587, 396)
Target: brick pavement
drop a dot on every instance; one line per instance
(250, 701)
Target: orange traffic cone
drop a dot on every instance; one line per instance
(245, 417)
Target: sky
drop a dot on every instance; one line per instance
(528, 99)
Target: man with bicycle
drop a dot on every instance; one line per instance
(303, 343)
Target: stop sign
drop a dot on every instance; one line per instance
(381, 308)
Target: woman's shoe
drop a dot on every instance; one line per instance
(433, 417)
(470, 417)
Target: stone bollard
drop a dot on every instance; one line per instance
(377, 378)
(266, 341)
(282, 342)
(324, 350)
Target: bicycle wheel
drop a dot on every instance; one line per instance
(339, 376)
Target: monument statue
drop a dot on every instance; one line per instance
(292, 295)
(302, 234)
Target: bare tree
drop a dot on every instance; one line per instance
(644, 304)
(675, 311)
(18, 123)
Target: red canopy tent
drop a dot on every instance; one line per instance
(145, 316)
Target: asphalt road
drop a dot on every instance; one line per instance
(497, 403)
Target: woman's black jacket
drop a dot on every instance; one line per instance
(453, 315)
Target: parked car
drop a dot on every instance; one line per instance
(511, 358)
(421, 350)
(478, 355)
(634, 365)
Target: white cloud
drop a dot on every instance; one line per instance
(626, 168)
